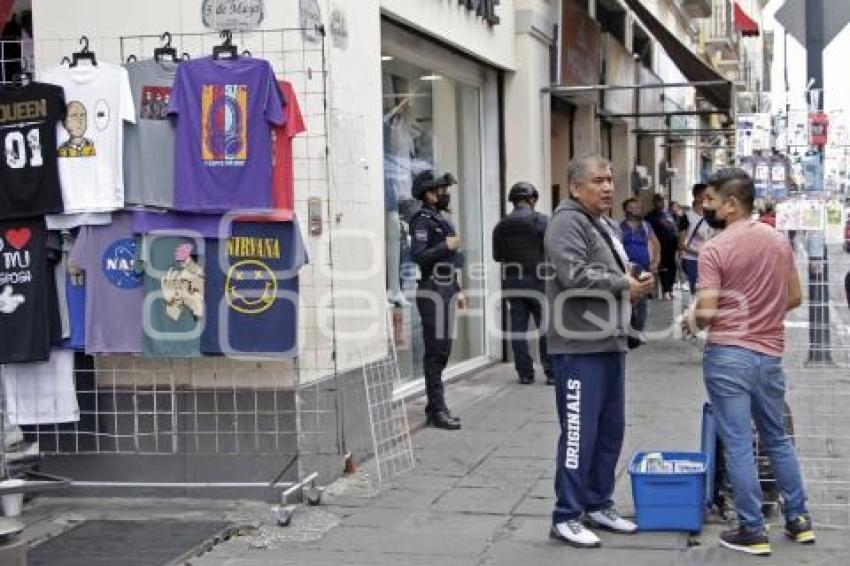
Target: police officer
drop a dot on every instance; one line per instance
(435, 249)
(518, 246)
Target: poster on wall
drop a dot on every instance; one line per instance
(778, 180)
(234, 15)
(761, 177)
(788, 215)
(835, 214)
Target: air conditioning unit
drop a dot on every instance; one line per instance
(641, 179)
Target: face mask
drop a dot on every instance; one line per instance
(443, 202)
(631, 216)
(711, 219)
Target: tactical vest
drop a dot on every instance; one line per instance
(519, 241)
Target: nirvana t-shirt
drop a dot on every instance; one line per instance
(252, 290)
(114, 294)
(225, 109)
(29, 177)
(174, 295)
(28, 308)
(91, 138)
(149, 143)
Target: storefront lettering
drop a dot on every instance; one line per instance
(232, 14)
(484, 9)
(19, 111)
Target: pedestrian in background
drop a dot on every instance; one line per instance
(588, 297)
(436, 250)
(518, 246)
(747, 282)
(643, 250)
(667, 232)
(693, 233)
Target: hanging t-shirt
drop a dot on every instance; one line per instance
(91, 138)
(225, 109)
(174, 296)
(75, 298)
(114, 294)
(149, 143)
(29, 176)
(27, 292)
(252, 300)
(181, 223)
(283, 180)
(42, 393)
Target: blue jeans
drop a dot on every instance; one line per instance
(590, 395)
(745, 386)
(689, 266)
(640, 310)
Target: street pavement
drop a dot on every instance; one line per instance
(483, 496)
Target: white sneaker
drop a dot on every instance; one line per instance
(611, 520)
(575, 534)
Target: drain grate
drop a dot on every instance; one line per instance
(129, 543)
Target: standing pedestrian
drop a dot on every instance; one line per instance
(643, 250)
(518, 246)
(668, 236)
(747, 282)
(693, 233)
(435, 249)
(588, 297)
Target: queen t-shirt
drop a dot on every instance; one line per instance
(225, 109)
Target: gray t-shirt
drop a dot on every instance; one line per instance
(149, 143)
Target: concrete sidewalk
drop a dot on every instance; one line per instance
(483, 496)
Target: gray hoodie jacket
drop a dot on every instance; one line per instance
(588, 292)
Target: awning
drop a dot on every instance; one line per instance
(744, 23)
(720, 95)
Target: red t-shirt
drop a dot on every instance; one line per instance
(283, 180)
(748, 263)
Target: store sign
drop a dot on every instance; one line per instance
(484, 9)
(232, 14)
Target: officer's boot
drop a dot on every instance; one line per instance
(442, 419)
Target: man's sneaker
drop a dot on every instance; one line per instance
(526, 379)
(611, 520)
(800, 530)
(574, 534)
(745, 540)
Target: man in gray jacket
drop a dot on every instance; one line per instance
(588, 298)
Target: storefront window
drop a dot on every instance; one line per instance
(431, 121)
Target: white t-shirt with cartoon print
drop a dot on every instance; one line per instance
(91, 138)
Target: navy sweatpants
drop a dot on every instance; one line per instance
(590, 393)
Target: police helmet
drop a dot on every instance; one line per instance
(427, 180)
(522, 191)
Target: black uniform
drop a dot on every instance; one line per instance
(518, 245)
(435, 296)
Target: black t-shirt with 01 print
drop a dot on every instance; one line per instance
(28, 302)
(29, 172)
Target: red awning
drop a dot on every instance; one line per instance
(744, 23)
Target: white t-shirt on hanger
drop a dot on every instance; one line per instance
(91, 137)
(41, 392)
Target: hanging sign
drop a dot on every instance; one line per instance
(234, 15)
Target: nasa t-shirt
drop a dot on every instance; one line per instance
(114, 294)
(174, 295)
(225, 109)
(27, 292)
(252, 291)
(91, 137)
(29, 176)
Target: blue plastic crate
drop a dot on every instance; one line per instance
(669, 501)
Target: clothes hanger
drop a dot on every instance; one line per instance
(83, 54)
(24, 76)
(226, 48)
(166, 50)
(132, 58)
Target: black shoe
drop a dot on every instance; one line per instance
(526, 380)
(443, 420)
(800, 530)
(744, 540)
(550, 380)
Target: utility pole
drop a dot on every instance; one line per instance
(819, 331)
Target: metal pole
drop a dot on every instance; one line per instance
(819, 332)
